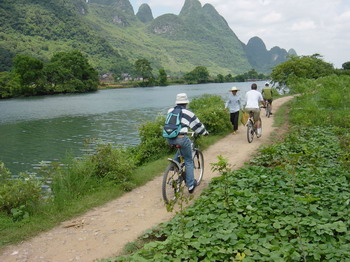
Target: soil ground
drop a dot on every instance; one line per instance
(103, 231)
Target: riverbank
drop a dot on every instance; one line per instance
(105, 230)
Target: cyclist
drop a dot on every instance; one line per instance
(253, 99)
(267, 95)
(188, 120)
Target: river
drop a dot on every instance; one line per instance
(39, 130)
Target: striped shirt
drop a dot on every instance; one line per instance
(190, 120)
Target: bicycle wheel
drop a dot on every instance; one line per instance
(250, 131)
(171, 185)
(268, 110)
(198, 164)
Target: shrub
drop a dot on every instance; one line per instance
(210, 110)
(152, 145)
(113, 163)
(323, 102)
(24, 190)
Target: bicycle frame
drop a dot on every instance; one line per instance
(178, 164)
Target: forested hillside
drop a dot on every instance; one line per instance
(113, 37)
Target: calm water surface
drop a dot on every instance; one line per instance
(43, 129)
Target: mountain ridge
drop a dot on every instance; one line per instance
(113, 36)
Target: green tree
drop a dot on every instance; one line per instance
(220, 78)
(162, 78)
(70, 72)
(252, 74)
(9, 84)
(143, 68)
(229, 78)
(30, 72)
(309, 67)
(346, 66)
(200, 75)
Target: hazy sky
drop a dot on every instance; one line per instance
(308, 26)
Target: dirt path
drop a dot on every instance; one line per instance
(103, 231)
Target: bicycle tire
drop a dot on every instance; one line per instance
(268, 111)
(171, 184)
(198, 164)
(250, 131)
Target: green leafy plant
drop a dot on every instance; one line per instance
(24, 190)
(19, 213)
(295, 209)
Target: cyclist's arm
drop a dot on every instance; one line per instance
(192, 121)
(262, 100)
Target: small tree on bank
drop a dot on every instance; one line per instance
(162, 78)
(143, 69)
(198, 75)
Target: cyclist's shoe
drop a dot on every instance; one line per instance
(191, 188)
(258, 133)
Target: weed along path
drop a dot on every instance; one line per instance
(103, 231)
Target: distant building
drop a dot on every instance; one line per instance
(108, 77)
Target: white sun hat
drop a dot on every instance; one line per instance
(182, 99)
(234, 89)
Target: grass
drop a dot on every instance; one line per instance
(281, 114)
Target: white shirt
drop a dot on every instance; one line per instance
(233, 103)
(253, 98)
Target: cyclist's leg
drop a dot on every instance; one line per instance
(270, 101)
(257, 120)
(256, 116)
(175, 141)
(186, 151)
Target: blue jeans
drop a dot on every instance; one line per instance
(186, 151)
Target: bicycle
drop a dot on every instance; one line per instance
(251, 129)
(174, 177)
(268, 108)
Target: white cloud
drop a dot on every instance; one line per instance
(272, 18)
(303, 25)
(312, 26)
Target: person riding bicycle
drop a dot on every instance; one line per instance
(253, 99)
(267, 95)
(188, 120)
